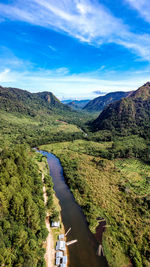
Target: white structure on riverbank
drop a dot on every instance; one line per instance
(61, 245)
(61, 257)
(64, 260)
(55, 224)
(61, 237)
(59, 254)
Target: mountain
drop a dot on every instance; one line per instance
(18, 100)
(37, 118)
(78, 104)
(49, 98)
(99, 103)
(130, 114)
(66, 101)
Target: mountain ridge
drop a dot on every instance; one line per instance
(15, 99)
(131, 113)
(99, 103)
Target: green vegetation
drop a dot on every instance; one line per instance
(130, 115)
(130, 146)
(51, 207)
(99, 103)
(37, 118)
(117, 190)
(17, 100)
(18, 128)
(22, 210)
(28, 119)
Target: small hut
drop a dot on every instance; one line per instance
(61, 245)
(57, 261)
(55, 224)
(59, 254)
(61, 237)
(64, 260)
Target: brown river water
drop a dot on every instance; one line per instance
(82, 253)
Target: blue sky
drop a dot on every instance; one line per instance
(74, 47)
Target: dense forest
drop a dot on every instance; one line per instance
(130, 115)
(22, 210)
(100, 102)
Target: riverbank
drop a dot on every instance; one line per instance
(82, 253)
(50, 252)
(49, 243)
(109, 189)
(53, 233)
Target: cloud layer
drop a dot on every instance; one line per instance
(143, 8)
(86, 20)
(66, 85)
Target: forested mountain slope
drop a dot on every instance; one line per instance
(36, 118)
(17, 100)
(129, 115)
(99, 103)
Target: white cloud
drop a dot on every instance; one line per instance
(62, 71)
(141, 45)
(72, 85)
(142, 6)
(3, 75)
(87, 20)
(52, 48)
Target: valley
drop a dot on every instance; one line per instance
(106, 164)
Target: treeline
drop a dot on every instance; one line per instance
(124, 147)
(50, 205)
(17, 129)
(22, 210)
(44, 137)
(54, 213)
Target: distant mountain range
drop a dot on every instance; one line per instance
(66, 101)
(78, 104)
(130, 114)
(99, 103)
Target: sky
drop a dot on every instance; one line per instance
(77, 49)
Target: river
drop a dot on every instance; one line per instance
(82, 253)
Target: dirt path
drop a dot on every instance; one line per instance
(50, 252)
